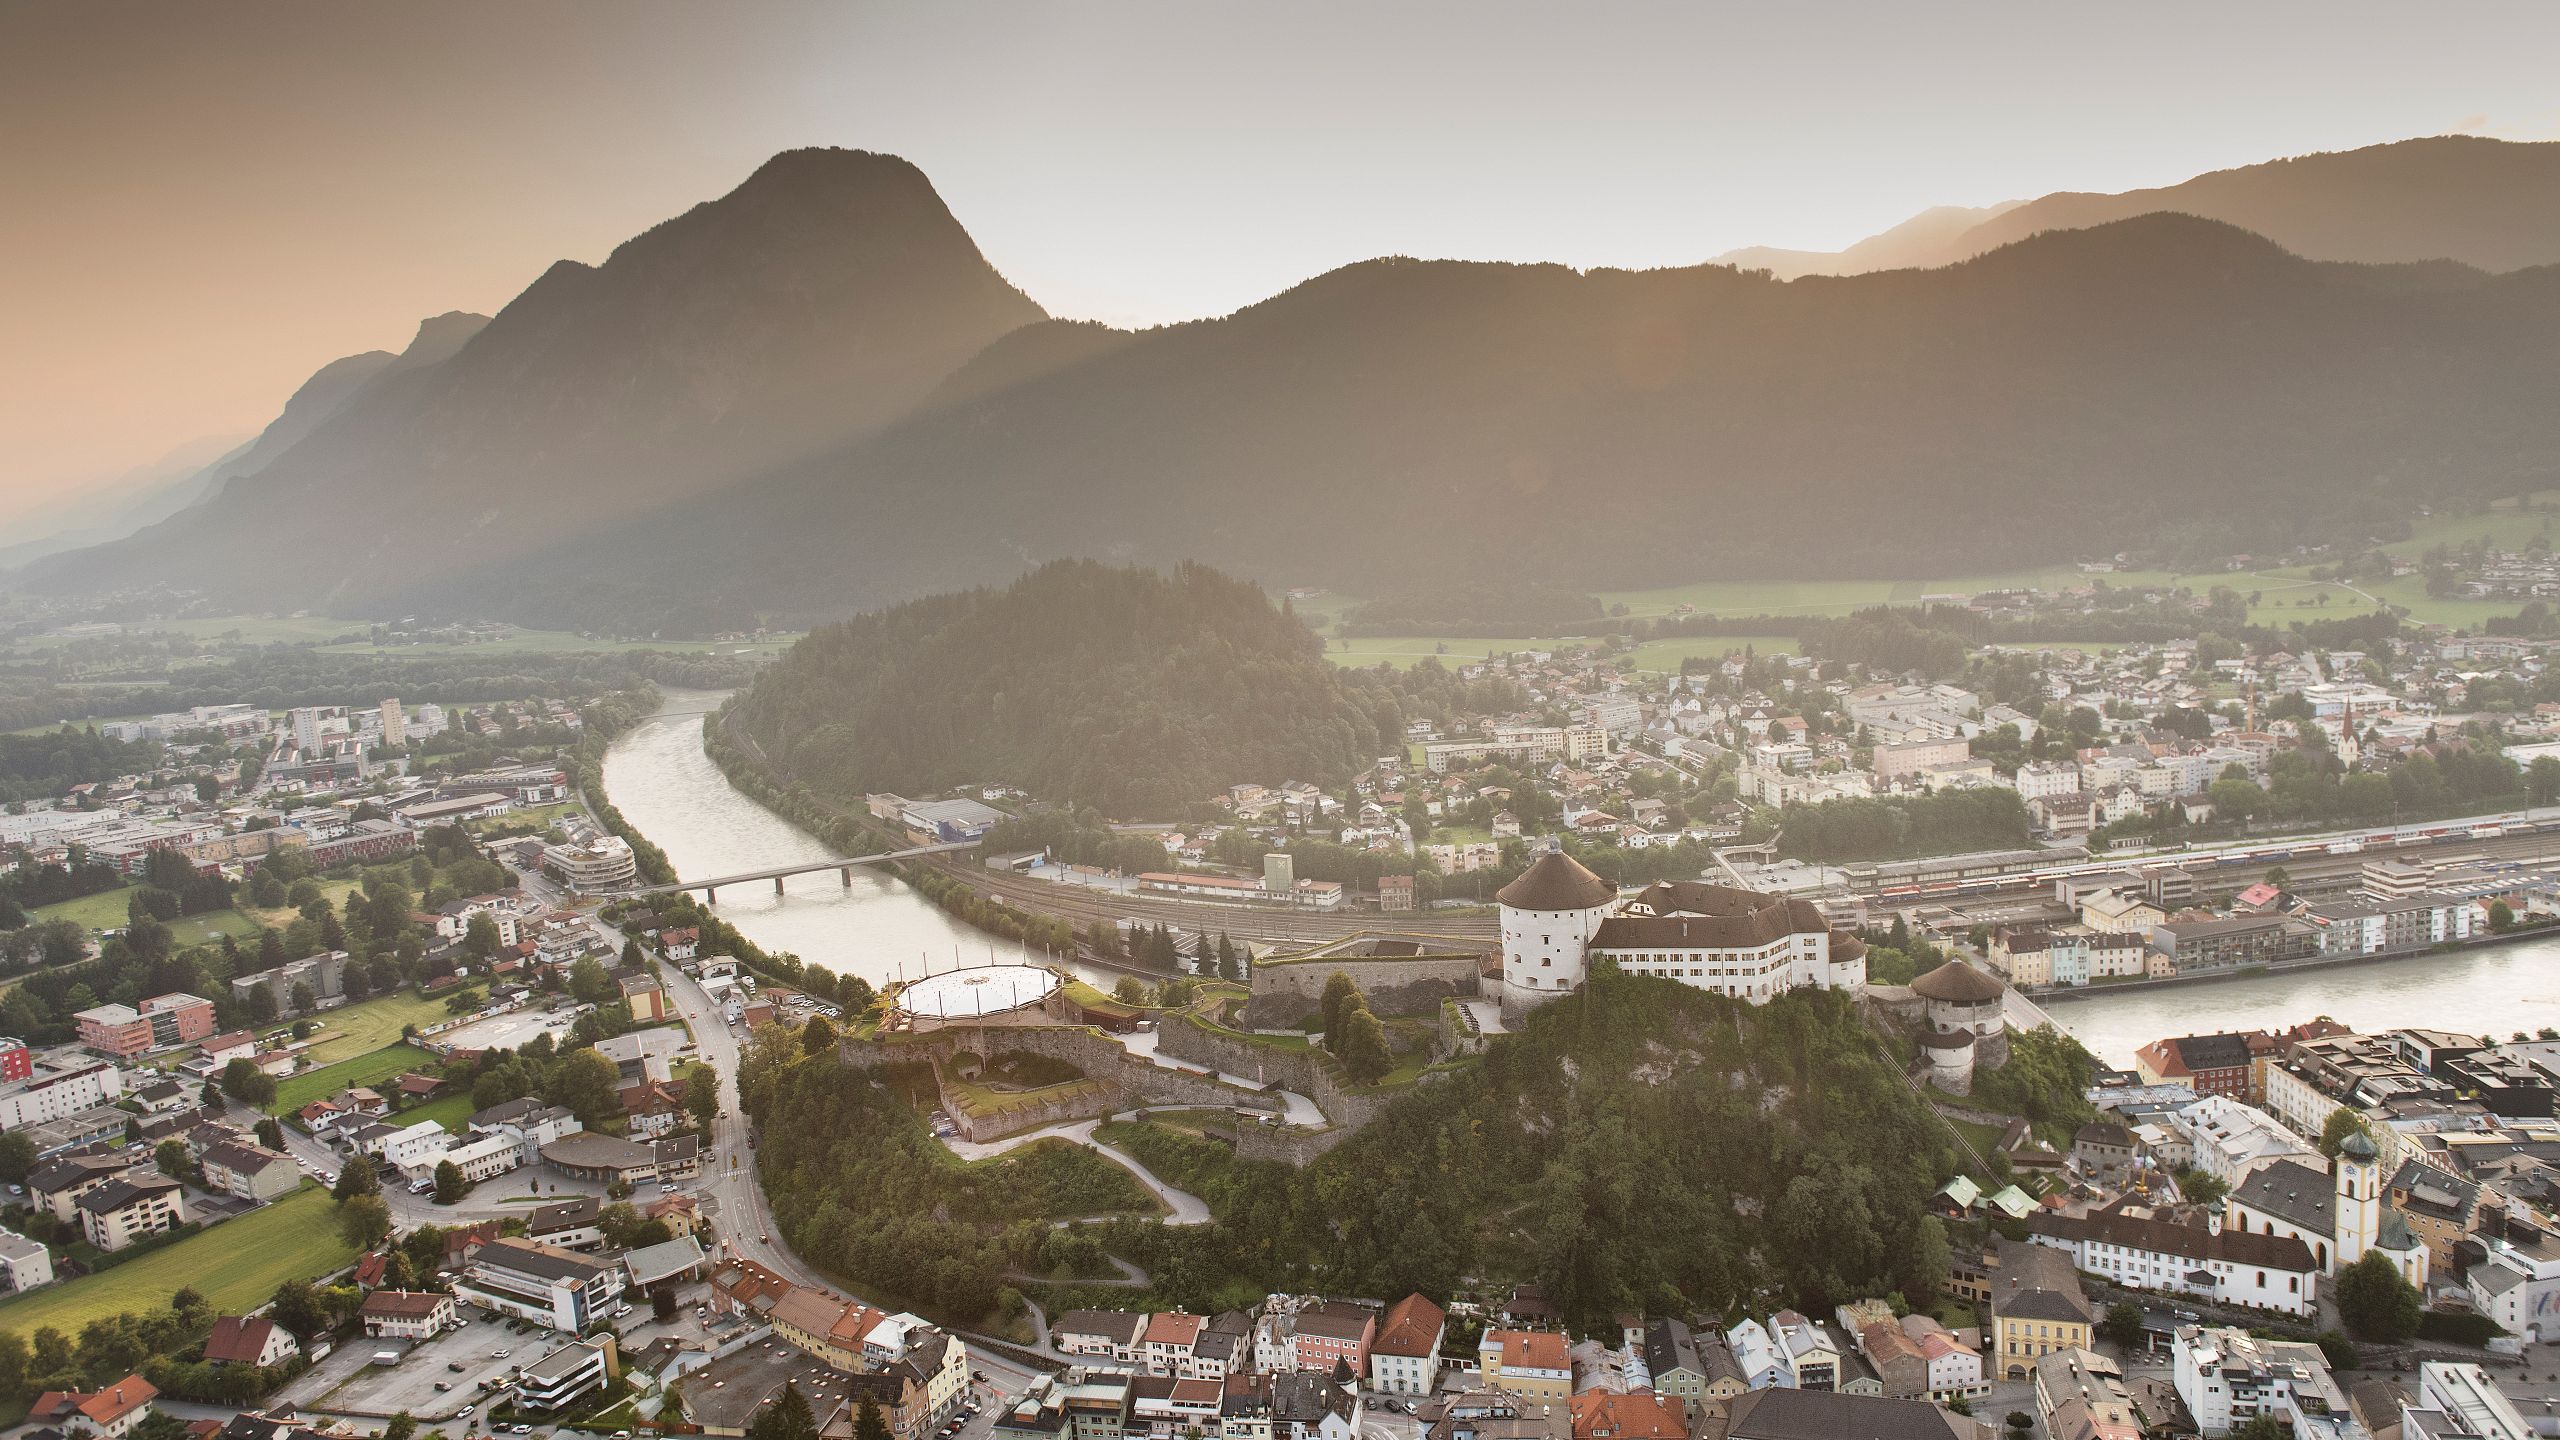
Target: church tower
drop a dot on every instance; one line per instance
(2358, 1175)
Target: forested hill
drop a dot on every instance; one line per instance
(1125, 689)
(1641, 1146)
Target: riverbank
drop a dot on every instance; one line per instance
(2505, 984)
(2047, 994)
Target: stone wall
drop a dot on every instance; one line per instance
(1308, 1071)
(1129, 1081)
(1372, 973)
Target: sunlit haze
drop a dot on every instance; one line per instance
(200, 205)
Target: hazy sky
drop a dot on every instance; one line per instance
(200, 204)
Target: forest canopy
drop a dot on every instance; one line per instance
(1126, 689)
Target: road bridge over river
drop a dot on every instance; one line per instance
(843, 865)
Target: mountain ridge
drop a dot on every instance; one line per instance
(2491, 204)
(1612, 429)
(824, 295)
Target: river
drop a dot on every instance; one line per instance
(659, 777)
(2493, 991)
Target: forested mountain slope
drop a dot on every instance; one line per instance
(1126, 689)
(1403, 423)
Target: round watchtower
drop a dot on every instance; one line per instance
(1549, 915)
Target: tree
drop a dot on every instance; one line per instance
(589, 983)
(174, 1161)
(357, 1179)
(2502, 916)
(401, 1427)
(2201, 1190)
(242, 1080)
(868, 1423)
(1130, 991)
(158, 1425)
(2377, 1304)
(817, 1037)
(662, 1305)
(271, 1134)
(17, 1157)
(702, 1095)
(297, 1308)
(480, 937)
(304, 1002)
(788, 1418)
(2342, 1122)
(2123, 1324)
(588, 1084)
(450, 1186)
(364, 1220)
(1363, 1050)
(1341, 992)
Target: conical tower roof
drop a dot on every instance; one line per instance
(1557, 881)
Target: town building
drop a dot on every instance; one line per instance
(1526, 1362)
(574, 1370)
(2265, 1272)
(130, 1207)
(24, 1263)
(249, 1171)
(1781, 1414)
(541, 1283)
(408, 1314)
(2227, 1377)
(250, 1340)
(1404, 1359)
(106, 1414)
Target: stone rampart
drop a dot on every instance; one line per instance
(1129, 1080)
(1306, 977)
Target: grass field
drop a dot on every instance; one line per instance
(451, 1111)
(368, 1025)
(237, 1265)
(2283, 595)
(352, 637)
(106, 911)
(392, 1061)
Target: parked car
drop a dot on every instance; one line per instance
(455, 1366)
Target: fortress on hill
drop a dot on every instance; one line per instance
(1738, 943)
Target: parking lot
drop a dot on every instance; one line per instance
(510, 1031)
(426, 1382)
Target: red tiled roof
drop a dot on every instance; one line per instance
(1643, 1415)
(238, 1340)
(1412, 1330)
(1531, 1349)
(1172, 1327)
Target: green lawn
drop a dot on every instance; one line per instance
(450, 1111)
(392, 1061)
(102, 911)
(368, 1025)
(106, 911)
(237, 1265)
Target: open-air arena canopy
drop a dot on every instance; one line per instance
(977, 995)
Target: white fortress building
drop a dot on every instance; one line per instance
(1738, 943)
